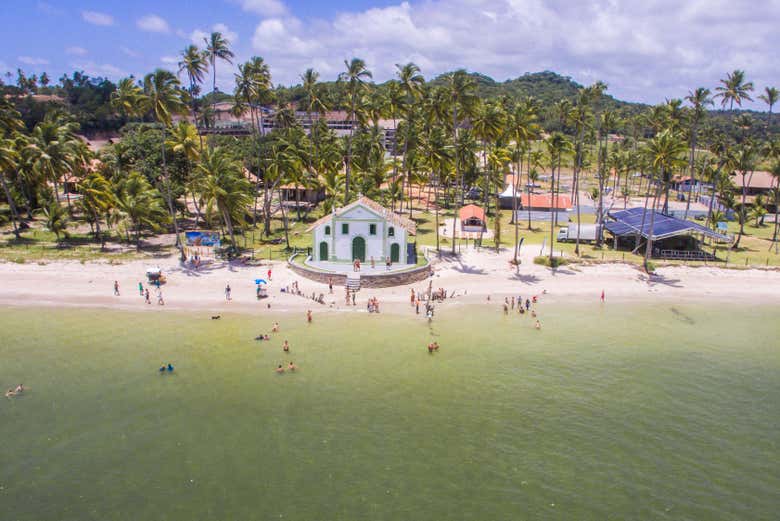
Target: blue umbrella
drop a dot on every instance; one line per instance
(260, 281)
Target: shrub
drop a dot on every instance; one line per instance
(545, 261)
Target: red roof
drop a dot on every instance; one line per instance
(472, 210)
(546, 201)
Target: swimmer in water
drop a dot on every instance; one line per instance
(291, 366)
(286, 347)
(280, 369)
(275, 329)
(533, 314)
(308, 316)
(538, 325)
(19, 389)
(10, 393)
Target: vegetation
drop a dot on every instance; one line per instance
(460, 134)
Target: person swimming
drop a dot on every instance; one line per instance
(10, 393)
(275, 329)
(170, 368)
(286, 347)
(291, 366)
(538, 325)
(280, 369)
(162, 368)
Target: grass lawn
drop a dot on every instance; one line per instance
(39, 245)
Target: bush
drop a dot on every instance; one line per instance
(650, 267)
(545, 261)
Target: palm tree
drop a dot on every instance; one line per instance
(141, 203)
(734, 89)
(55, 139)
(355, 78)
(194, 63)
(770, 97)
(522, 128)
(665, 152)
(217, 48)
(225, 187)
(462, 91)
(185, 140)
(557, 145)
(163, 97)
(699, 99)
(96, 199)
(580, 117)
(56, 219)
(410, 83)
(128, 98)
(744, 162)
(488, 124)
(776, 192)
(8, 163)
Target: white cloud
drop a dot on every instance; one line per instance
(96, 18)
(127, 51)
(645, 51)
(169, 60)
(76, 51)
(33, 60)
(153, 24)
(95, 69)
(230, 36)
(198, 35)
(264, 7)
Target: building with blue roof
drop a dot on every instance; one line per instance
(672, 238)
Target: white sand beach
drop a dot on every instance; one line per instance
(471, 279)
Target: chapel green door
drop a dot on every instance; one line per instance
(359, 249)
(323, 251)
(395, 253)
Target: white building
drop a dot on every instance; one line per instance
(361, 230)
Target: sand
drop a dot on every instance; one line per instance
(472, 278)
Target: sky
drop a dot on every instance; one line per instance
(644, 50)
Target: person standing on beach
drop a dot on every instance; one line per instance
(116, 288)
(160, 301)
(146, 296)
(140, 288)
(330, 285)
(269, 274)
(227, 292)
(602, 295)
(527, 304)
(308, 316)
(353, 299)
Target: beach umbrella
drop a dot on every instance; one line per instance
(260, 281)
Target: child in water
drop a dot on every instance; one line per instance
(291, 366)
(286, 347)
(280, 369)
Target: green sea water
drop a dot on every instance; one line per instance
(609, 413)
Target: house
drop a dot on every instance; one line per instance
(472, 218)
(294, 195)
(363, 229)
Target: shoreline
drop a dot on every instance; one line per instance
(472, 278)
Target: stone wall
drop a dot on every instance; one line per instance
(383, 280)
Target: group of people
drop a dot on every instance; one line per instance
(522, 307)
(19, 389)
(144, 292)
(166, 368)
(195, 261)
(373, 305)
(433, 346)
(290, 367)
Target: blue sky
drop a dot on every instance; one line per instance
(645, 51)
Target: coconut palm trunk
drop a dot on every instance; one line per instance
(649, 245)
(15, 215)
(168, 191)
